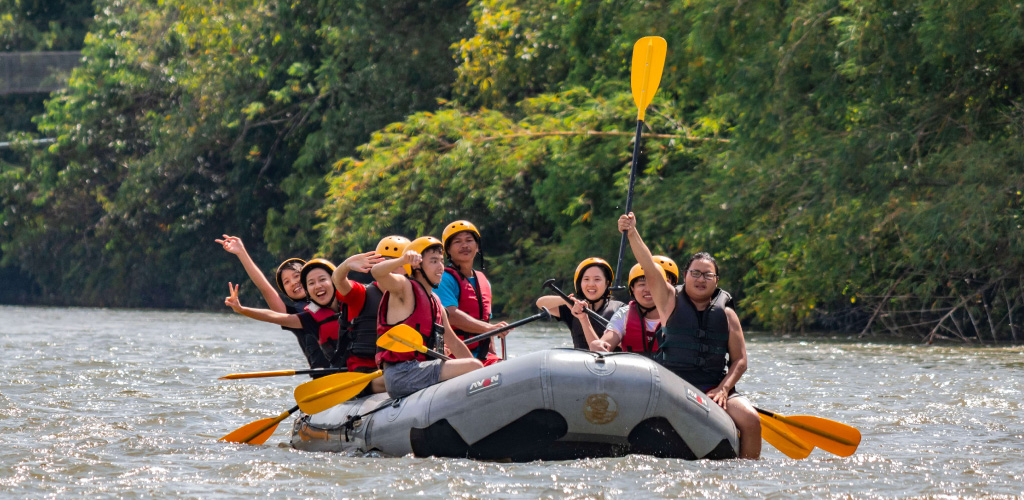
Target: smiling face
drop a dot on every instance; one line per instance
(292, 283)
(593, 283)
(642, 294)
(462, 248)
(320, 287)
(700, 288)
(432, 265)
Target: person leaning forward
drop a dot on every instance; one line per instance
(410, 300)
(700, 306)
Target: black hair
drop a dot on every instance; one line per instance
(702, 256)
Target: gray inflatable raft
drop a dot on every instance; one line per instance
(556, 404)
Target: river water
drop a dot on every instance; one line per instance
(117, 403)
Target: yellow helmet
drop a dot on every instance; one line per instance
(315, 264)
(609, 274)
(392, 246)
(455, 228)
(669, 266)
(420, 245)
(292, 264)
(638, 272)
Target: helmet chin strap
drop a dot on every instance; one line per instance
(432, 284)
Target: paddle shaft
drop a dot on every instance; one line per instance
(541, 315)
(282, 373)
(629, 199)
(590, 312)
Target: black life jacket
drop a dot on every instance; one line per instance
(694, 344)
(358, 336)
(579, 340)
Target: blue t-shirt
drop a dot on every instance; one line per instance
(448, 291)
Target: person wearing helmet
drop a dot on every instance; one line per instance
(409, 299)
(465, 292)
(357, 334)
(701, 339)
(319, 320)
(289, 283)
(633, 327)
(669, 266)
(592, 280)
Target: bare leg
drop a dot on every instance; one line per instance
(749, 425)
(456, 367)
(377, 385)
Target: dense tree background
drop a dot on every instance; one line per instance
(855, 166)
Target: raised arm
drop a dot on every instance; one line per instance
(360, 262)
(266, 315)
(663, 293)
(233, 244)
(383, 272)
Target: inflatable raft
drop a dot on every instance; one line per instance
(556, 404)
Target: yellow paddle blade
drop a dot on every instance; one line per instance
(776, 434)
(256, 432)
(829, 435)
(648, 63)
(318, 395)
(278, 373)
(402, 338)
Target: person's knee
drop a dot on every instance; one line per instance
(746, 421)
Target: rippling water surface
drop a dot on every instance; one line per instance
(127, 404)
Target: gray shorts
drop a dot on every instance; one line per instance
(403, 379)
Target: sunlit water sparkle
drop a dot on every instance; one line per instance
(127, 404)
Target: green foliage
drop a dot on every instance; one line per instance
(188, 120)
(853, 165)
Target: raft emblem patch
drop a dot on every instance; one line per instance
(700, 399)
(600, 409)
(484, 384)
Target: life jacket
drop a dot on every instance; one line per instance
(327, 328)
(694, 344)
(425, 319)
(579, 340)
(357, 337)
(637, 338)
(476, 302)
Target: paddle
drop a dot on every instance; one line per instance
(777, 435)
(541, 315)
(281, 373)
(645, 76)
(550, 283)
(834, 437)
(318, 395)
(259, 431)
(404, 338)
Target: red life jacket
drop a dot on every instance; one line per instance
(425, 318)
(359, 334)
(476, 302)
(327, 320)
(637, 337)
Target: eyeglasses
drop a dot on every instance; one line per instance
(697, 274)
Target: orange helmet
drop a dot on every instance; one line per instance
(392, 246)
(420, 245)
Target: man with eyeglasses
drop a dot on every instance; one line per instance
(701, 339)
